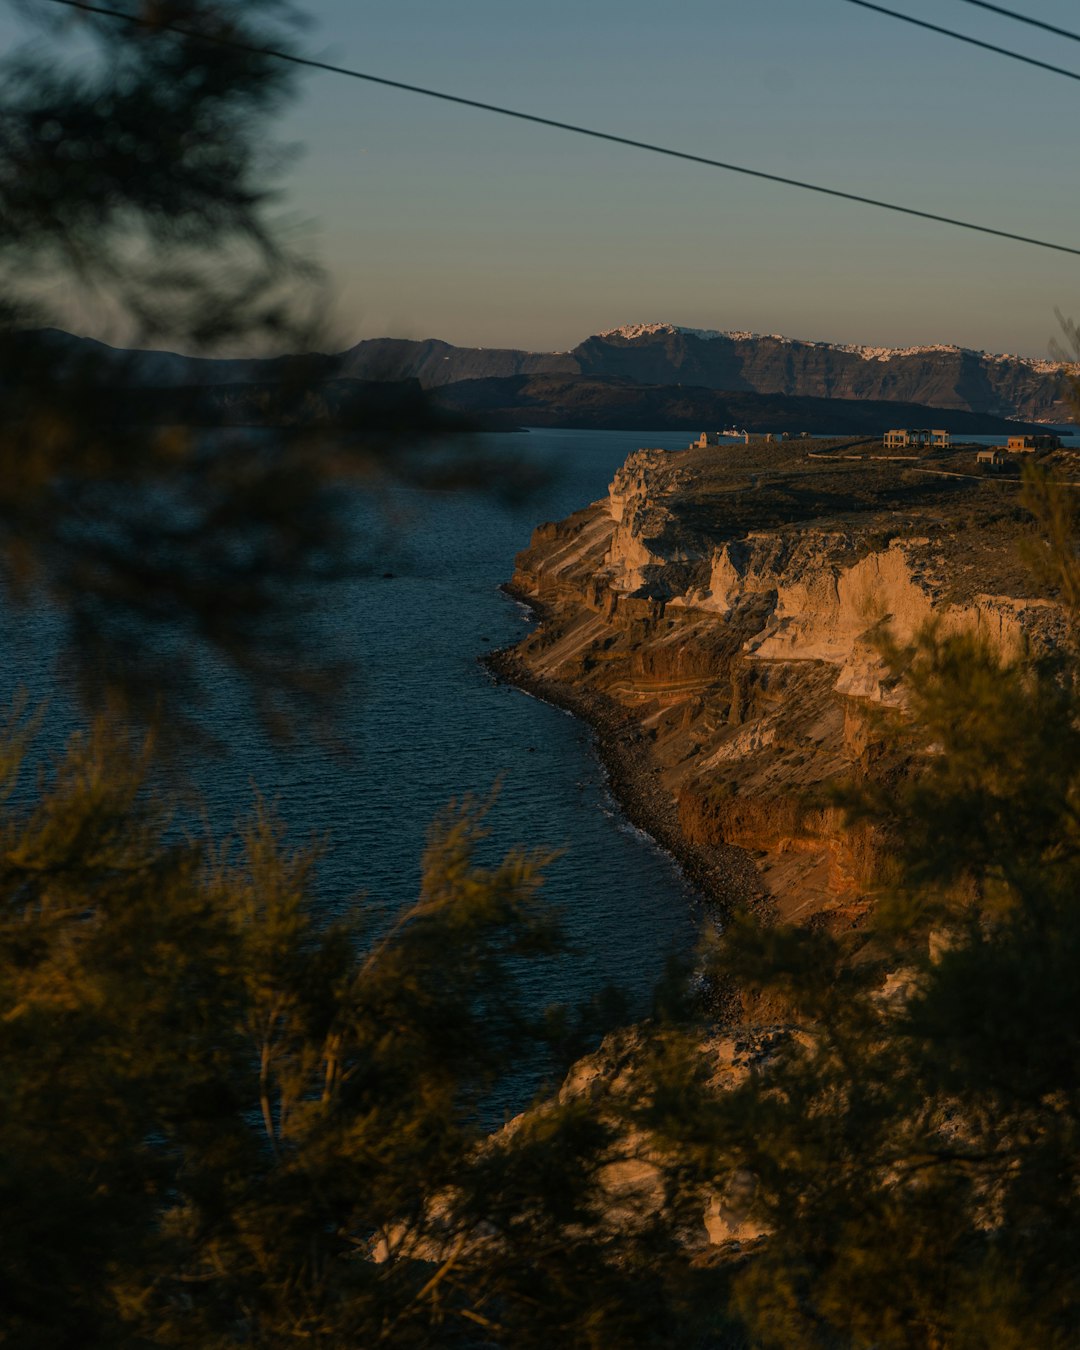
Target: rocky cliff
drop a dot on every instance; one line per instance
(727, 603)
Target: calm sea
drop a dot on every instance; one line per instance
(426, 724)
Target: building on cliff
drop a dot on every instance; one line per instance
(995, 457)
(708, 438)
(903, 438)
(1030, 445)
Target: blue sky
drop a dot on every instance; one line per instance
(436, 221)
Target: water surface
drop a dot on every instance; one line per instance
(427, 724)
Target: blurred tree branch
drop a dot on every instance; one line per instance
(136, 179)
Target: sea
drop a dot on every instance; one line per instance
(427, 724)
(424, 724)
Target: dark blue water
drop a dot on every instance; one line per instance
(426, 724)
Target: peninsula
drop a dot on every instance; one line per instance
(714, 616)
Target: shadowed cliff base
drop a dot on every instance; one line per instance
(725, 875)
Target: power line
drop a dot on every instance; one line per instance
(1024, 18)
(537, 120)
(960, 37)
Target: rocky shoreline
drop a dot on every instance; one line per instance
(724, 875)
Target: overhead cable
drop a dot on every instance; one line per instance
(960, 37)
(1024, 18)
(537, 120)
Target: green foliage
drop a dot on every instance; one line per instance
(912, 1125)
(134, 164)
(227, 1123)
(216, 1109)
(168, 535)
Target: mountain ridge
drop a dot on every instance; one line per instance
(867, 351)
(657, 354)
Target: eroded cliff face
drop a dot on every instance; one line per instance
(732, 602)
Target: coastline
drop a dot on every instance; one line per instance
(725, 876)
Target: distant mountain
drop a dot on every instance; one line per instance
(655, 354)
(436, 363)
(150, 369)
(939, 376)
(666, 354)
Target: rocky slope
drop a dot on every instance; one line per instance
(723, 605)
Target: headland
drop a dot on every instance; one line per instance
(715, 618)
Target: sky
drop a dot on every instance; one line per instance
(435, 221)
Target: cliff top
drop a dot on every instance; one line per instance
(849, 489)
